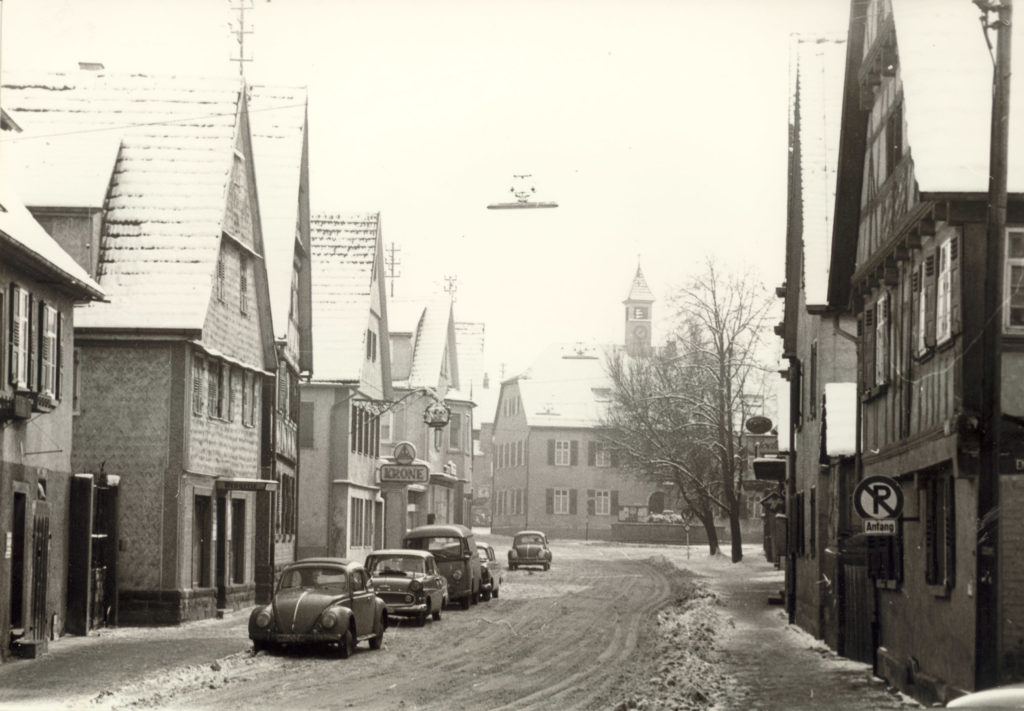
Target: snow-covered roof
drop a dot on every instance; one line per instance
(343, 251)
(18, 226)
(166, 200)
(567, 386)
(638, 288)
(277, 121)
(62, 170)
(946, 71)
(469, 346)
(817, 76)
(430, 322)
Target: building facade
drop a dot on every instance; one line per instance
(174, 370)
(39, 286)
(342, 509)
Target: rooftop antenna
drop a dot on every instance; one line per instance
(451, 285)
(240, 30)
(522, 190)
(393, 260)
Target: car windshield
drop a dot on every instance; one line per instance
(529, 538)
(327, 579)
(443, 547)
(396, 565)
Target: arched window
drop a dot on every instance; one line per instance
(656, 502)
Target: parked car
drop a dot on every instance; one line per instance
(490, 571)
(328, 601)
(409, 582)
(529, 548)
(454, 548)
(1010, 696)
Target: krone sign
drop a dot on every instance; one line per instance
(404, 473)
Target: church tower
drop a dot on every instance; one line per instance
(638, 316)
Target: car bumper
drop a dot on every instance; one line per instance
(298, 638)
(529, 561)
(406, 609)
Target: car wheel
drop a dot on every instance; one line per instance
(494, 593)
(259, 645)
(485, 596)
(474, 597)
(547, 566)
(465, 602)
(347, 644)
(421, 619)
(378, 638)
(436, 614)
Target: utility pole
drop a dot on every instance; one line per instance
(987, 633)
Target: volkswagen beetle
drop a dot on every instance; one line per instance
(409, 583)
(529, 548)
(322, 601)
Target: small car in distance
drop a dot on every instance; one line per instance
(321, 601)
(409, 583)
(490, 571)
(529, 548)
(454, 549)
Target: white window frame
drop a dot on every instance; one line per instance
(944, 294)
(561, 497)
(1012, 262)
(563, 453)
(883, 351)
(603, 502)
(49, 351)
(602, 455)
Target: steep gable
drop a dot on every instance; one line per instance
(434, 361)
(165, 204)
(346, 253)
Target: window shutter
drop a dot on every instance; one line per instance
(353, 428)
(869, 348)
(14, 340)
(551, 452)
(549, 500)
(33, 345)
(591, 453)
(955, 319)
(915, 308)
(931, 573)
(58, 386)
(615, 457)
(615, 503)
(591, 506)
(930, 285)
(574, 451)
(572, 501)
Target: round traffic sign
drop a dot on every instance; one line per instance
(878, 497)
(404, 453)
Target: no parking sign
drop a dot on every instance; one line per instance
(878, 498)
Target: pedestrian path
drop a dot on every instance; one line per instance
(775, 665)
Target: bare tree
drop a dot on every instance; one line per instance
(681, 410)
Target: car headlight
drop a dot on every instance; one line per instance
(328, 620)
(547, 554)
(415, 586)
(263, 619)
(457, 575)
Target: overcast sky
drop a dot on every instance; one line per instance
(658, 127)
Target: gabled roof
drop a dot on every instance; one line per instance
(24, 240)
(277, 117)
(567, 386)
(816, 102)
(638, 289)
(166, 200)
(344, 249)
(432, 326)
(946, 70)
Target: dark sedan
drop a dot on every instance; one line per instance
(409, 583)
(321, 601)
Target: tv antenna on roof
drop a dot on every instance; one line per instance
(522, 190)
(240, 30)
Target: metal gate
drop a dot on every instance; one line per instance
(40, 565)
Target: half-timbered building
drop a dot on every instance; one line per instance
(909, 260)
